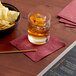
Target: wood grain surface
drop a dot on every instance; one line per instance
(19, 64)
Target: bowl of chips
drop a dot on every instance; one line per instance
(9, 18)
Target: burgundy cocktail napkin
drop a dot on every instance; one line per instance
(51, 46)
(68, 14)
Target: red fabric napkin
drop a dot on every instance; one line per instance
(67, 22)
(68, 25)
(51, 46)
(68, 14)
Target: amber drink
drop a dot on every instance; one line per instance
(38, 28)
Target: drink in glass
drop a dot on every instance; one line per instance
(38, 27)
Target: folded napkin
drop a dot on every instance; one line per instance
(68, 23)
(68, 14)
(51, 46)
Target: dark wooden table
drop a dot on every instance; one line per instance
(18, 64)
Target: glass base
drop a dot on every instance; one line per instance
(38, 41)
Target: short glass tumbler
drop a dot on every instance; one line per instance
(39, 27)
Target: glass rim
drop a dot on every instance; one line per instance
(31, 12)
